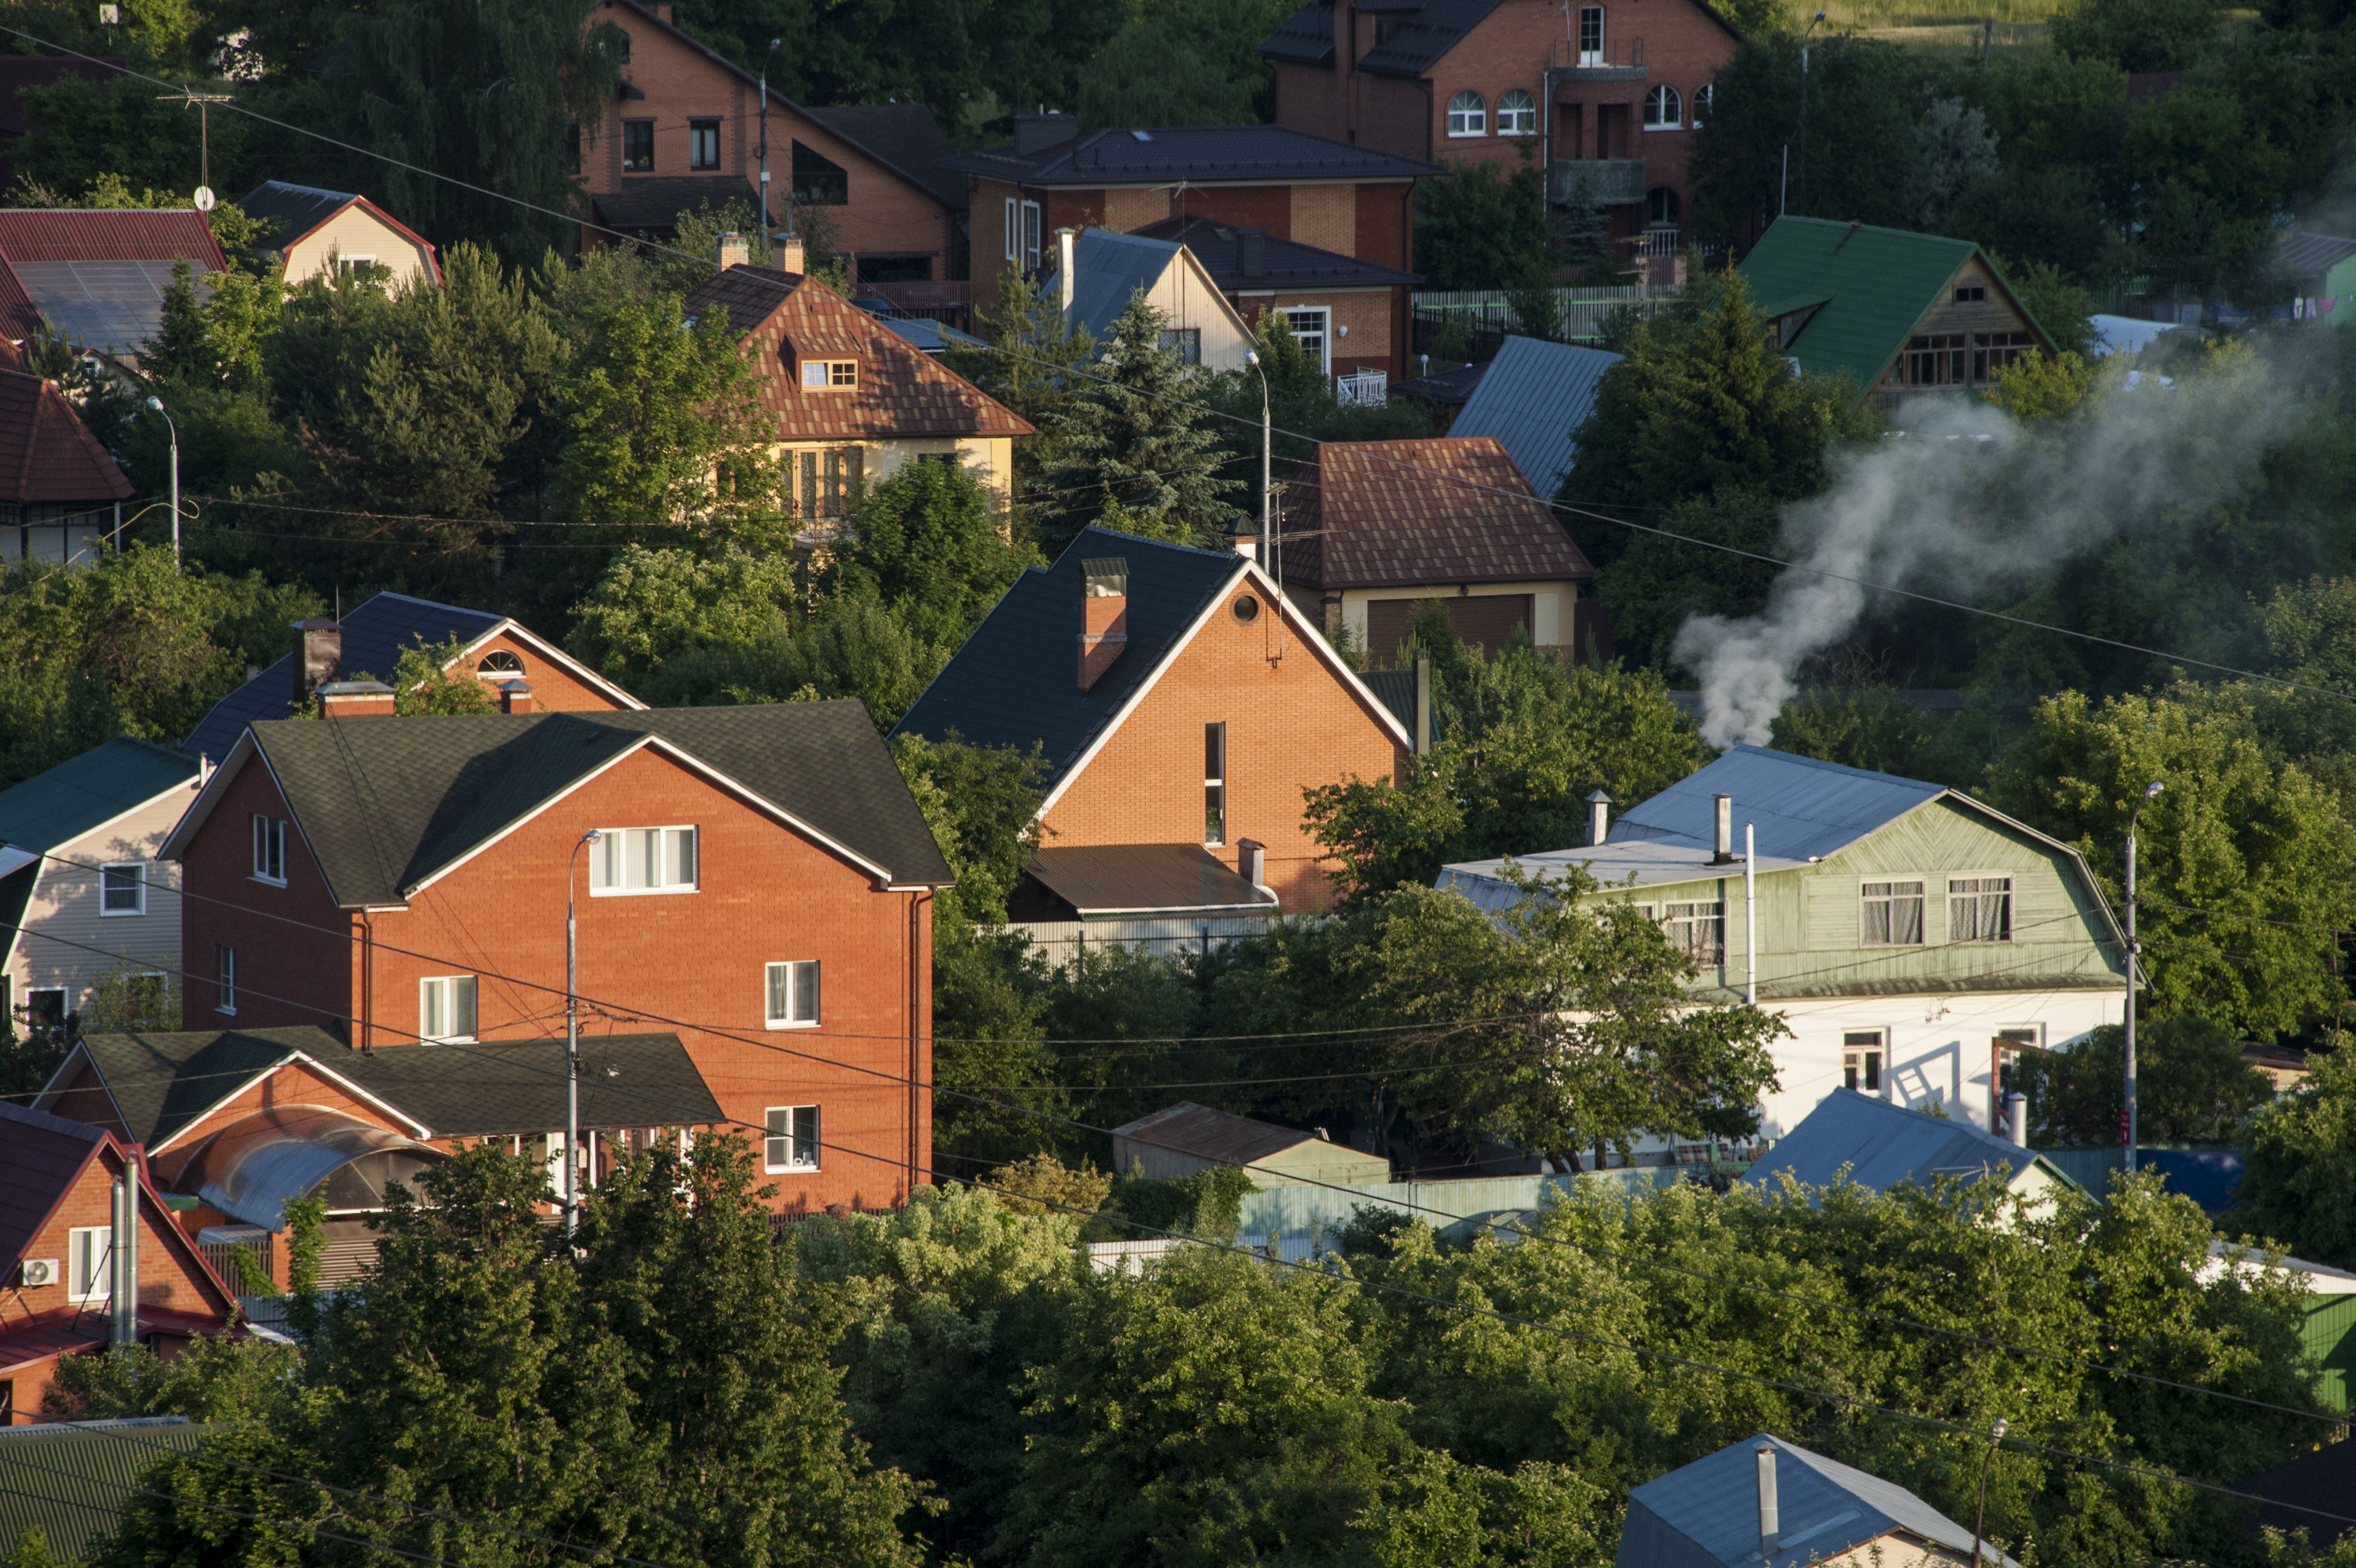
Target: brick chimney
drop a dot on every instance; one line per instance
(663, 12)
(318, 656)
(735, 251)
(1104, 616)
(515, 697)
(355, 700)
(791, 254)
(1037, 133)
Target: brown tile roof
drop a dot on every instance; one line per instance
(902, 391)
(1372, 514)
(100, 275)
(48, 456)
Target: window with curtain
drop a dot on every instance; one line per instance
(642, 860)
(1980, 909)
(1891, 913)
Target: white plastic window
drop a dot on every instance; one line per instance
(270, 850)
(445, 1008)
(90, 1262)
(1468, 116)
(1664, 109)
(123, 888)
(790, 1140)
(642, 860)
(792, 994)
(1517, 114)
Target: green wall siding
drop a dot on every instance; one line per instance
(2330, 1335)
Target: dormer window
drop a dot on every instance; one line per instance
(826, 375)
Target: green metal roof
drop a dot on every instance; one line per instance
(70, 1482)
(1875, 284)
(55, 807)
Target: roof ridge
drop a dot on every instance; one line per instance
(24, 1115)
(1140, 539)
(1833, 767)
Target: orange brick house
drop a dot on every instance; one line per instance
(1606, 96)
(684, 131)
(854, 400)
(83, 1267)
(1182, 707)
(760, 886)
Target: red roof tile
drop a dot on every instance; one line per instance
(902, 391)
(1371, 514)
(48, 456)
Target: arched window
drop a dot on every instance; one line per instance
(1468, 116)
(1664, 110)
(1517, 114)
(499, 661)
(1704, 96)
(1662, 207)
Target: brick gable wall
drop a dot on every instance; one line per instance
(553, 687)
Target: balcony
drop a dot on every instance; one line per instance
(1623, 60)
(1596, 182)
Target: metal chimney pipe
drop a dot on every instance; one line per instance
(1599, 817)
(122, 1268)
(2015, 1117)
(1724, 855)
(1063, 238)
(1771, 1520)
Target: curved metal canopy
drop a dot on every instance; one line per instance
(252, 1168)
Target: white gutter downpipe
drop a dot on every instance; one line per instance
(1751, 914)
(1771, 1519)
(1063, 238)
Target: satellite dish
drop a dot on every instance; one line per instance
(206, 200)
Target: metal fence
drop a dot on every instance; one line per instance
(1477, 321)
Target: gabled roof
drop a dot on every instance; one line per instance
(1801, 808)
(2303, 255)
(780, 318)
(41, 1156)
(1875, 286)
(388, 805)
(374, 636)
(1220, 1135)
(1879, 1145)
(1101, 881)
(48, 456)
(904, 138)
(1532, 400)
(99, 275)
(1434, 27)
(1442, 510)
(652, 202)
(70, 1481)
(163, 1082)
(1107, 268)
(1707, 1512)
(299, 210)
(1284, 264)
(87, 792)
(1203, 155)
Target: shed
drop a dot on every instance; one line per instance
(1182, 1139)
(2321, 269)
(1531, 399)
(317, 230)
(1877, 1145)
(2327, 1324)
(1713, 1511)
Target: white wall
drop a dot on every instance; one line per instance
(65, 904)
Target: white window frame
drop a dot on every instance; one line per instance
(1215, 785)
(628, 839)
(225, 979)
(2010, 892)
(138, 869)
(805, 992)
(1468, 116)
(1322, 331)
(1523, 115)
(1923, 938)
(1032, 232)
(441, 993)
(696, 131)
(1590, 56)
(270, 850)
(786, 1130)
(1668, 104)
(829, 375)
(1716, 956)
(1705, 99)
(90, 1262)
(1013, 236)
(1878, 1069)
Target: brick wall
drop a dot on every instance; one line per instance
(553, 686)
(1292, 723)
(294, 945)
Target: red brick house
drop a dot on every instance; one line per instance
(1182, 707)
(685, 130)
(854, 400)
(1606, 96)
(83, 1267)
(1353, 202)
(760, 886)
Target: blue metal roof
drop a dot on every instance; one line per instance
(1533, 398)
(1881, 1144)
(1107, 269)
(1707, 1512)
(1801, 807)
(931, 337)
(59, 806)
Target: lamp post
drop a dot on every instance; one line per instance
(155, 405)
(2135, 817)
(1979, 1520)
(1783, 198)
(1267, 490)
(764, 137)
(572, 1041)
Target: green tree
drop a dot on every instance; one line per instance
(1173, 64)
(424, 681)
(1034, 362)
(2191, 1084)
(1873, 727)
(926, 543)
(2137, 35)
(653, 605)
(2299, 1186)
(1480, 225)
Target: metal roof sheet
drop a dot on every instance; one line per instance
(1107, 268)
(1613, 865)
(56, 807)
(298, 209)
(1144, 878)
(1283, 263)
(1218, 1135)
(1532, 400)
(1707, 1512)
(1879, 1145)
(1801, 808)
(1876, 283)
(2312, 256)
(70, 1482)
(1204, 154)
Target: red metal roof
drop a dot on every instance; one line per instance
(1413, 513)
(48, 456)
(111, 235)
(59, 1330)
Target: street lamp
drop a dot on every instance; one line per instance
(764, 137)
(1979, 1520)
(1267, 490)
(1784, 199)
(572, 1041)
(155, 405)
(2150, 793)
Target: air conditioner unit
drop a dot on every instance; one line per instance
(34, 1272)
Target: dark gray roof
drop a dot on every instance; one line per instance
(2322, 1481)
(70, 1481)
(1533, 398)
(1707, 1512)
(2312, 256)
(385, 804)
(1144, 878)
(1107, 268)
(1305, 37)
(652, 202)
(59, 806)
(1284, 264)
(931, 337)
(162, 1083)
(295, 209)
(1445, 386)
(904, 135)
(1416, 48)
(1881, 1144)
(1015, 682)
(1207, 154)
(1802, 807)
(1207, 1134)
(374, 635)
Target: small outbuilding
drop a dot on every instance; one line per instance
(1182, 1139)
(1877, 1145)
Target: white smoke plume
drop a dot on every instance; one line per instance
(1970, 501)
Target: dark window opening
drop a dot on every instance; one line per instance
(1215, 784)
(703, 143)
(637, 146)
(1187, 341)
(818, 180)
(1970, 294)
(896, 269)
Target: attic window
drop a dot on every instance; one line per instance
(818, 180)
(824, 375)
(1970, 294)
(499, 661)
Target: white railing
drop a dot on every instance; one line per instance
(1578, 312)
(1363, 388)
